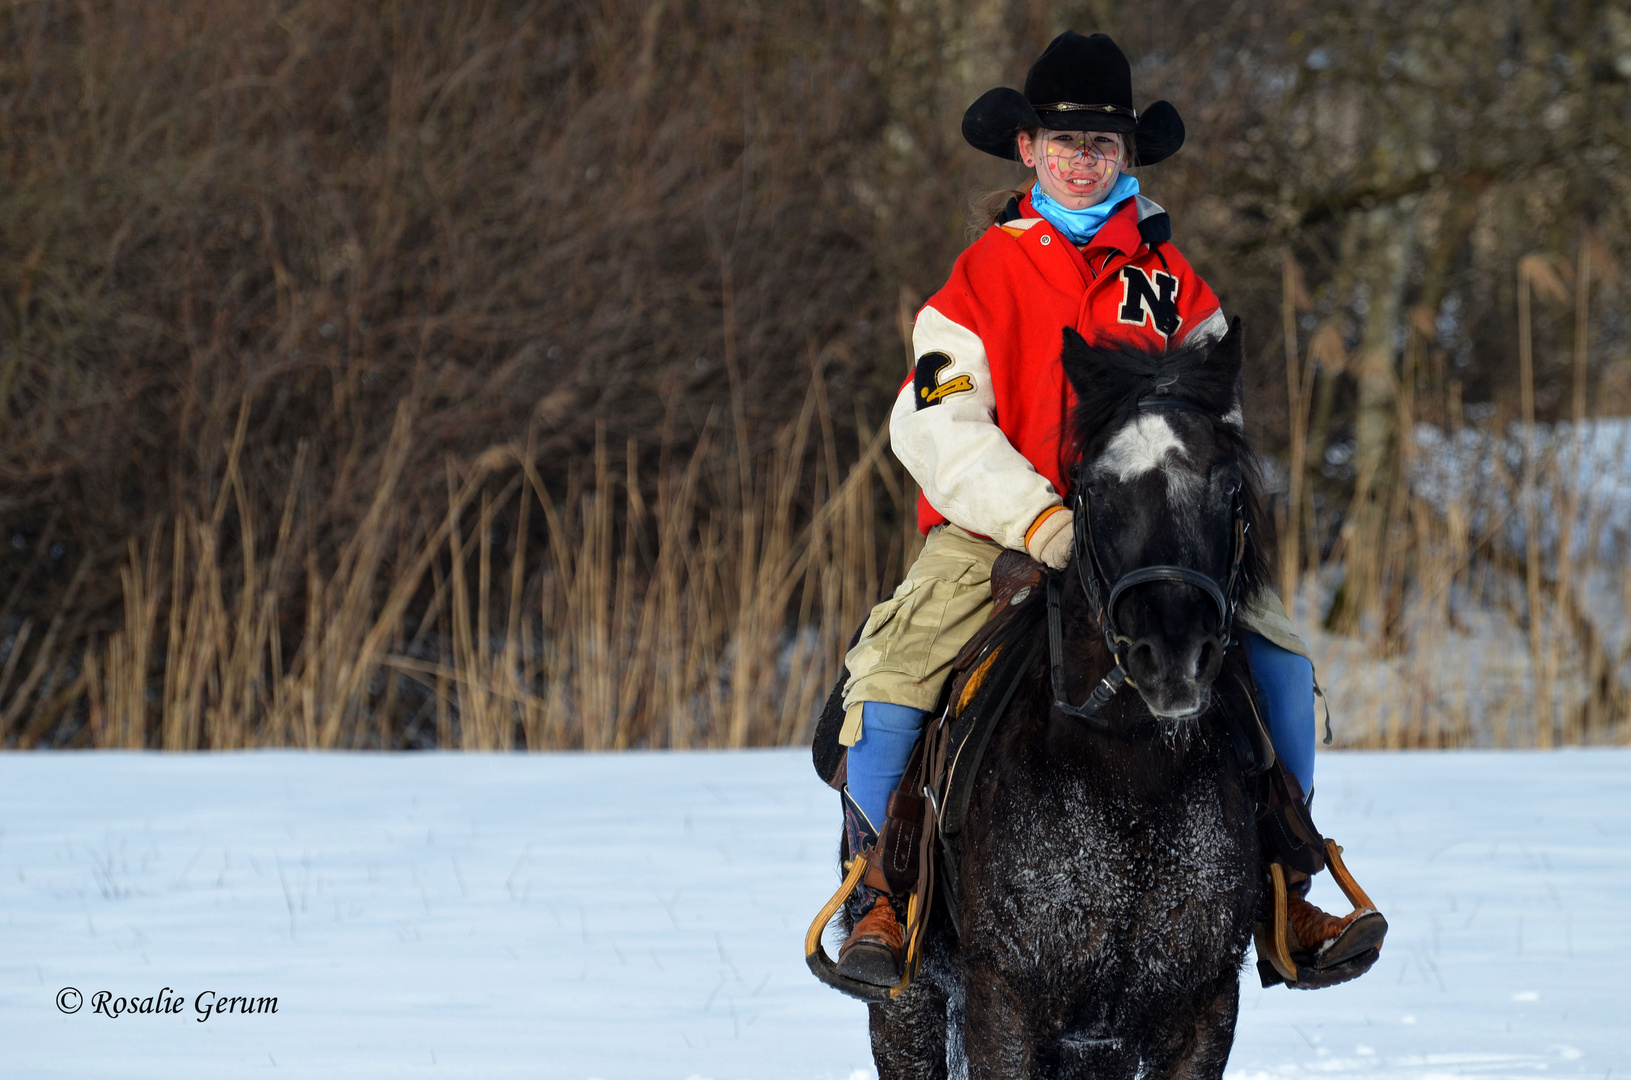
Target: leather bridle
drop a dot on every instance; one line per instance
(1102, 594)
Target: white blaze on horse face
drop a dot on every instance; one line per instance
(1145, 445)
(1140, 447)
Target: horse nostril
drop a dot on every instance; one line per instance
(1141, 663)
(1208, 660)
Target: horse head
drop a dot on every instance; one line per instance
(1166, 491)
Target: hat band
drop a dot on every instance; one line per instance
(1071, 106)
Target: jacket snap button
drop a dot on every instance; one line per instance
(1047, 240)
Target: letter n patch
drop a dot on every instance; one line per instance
(929, 389)
(1149, 303)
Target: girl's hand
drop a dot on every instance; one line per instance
(1052, 539)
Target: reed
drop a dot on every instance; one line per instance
(1500, 606)
(702, 595)
(362, 383)
(714, 617)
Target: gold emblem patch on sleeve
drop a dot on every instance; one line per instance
(929, 389)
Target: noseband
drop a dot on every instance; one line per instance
(1096, 586)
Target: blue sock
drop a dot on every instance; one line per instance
(879, 757)
(1285, 685)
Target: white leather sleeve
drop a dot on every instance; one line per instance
(965, 465)
(1213, 327)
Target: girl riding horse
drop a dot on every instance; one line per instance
(979, 426)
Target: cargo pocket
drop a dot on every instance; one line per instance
(905, 650)
(967, 609)
(899, 635)
(870, 648)
(908, 642)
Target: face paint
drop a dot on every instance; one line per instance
(1076, 168)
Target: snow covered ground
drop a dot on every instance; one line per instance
(641, 915)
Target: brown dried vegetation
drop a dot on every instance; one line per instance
(511, 374)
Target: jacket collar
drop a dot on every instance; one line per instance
(1139, 221)
(1121, 231)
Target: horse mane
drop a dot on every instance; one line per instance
(1111, 379)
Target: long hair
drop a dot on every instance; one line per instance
(985, 206)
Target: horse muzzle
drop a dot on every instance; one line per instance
(1173, 673)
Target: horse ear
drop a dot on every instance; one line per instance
(1083, 366)
(1230, 351)
(1229, 358)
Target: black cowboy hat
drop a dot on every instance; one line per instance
(1077, 84)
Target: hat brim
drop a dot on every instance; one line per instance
(993, 123)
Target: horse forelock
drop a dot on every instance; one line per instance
(1111, 380)
(1113, 433)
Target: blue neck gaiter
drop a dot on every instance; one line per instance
(1078, 226)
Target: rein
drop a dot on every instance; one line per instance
(1095, 584)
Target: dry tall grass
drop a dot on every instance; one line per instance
(590, 614)
(1497, 610)
(426, 374)
(240, 241)
(714, 616)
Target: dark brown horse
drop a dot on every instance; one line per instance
(1107, 876)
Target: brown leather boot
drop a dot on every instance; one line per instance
(1324, 949)
(1322, 941)
(871, 953)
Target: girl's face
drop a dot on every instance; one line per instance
(1076, 168)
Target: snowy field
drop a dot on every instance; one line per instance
(641, 915)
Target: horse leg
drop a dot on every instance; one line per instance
(1203, 1050)
(909, 1035)
(996, 1040)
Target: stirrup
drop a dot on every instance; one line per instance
(1274, 961)
(823, 966)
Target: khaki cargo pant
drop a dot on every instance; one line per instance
(905, 651)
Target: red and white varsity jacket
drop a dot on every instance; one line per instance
(979, 424)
